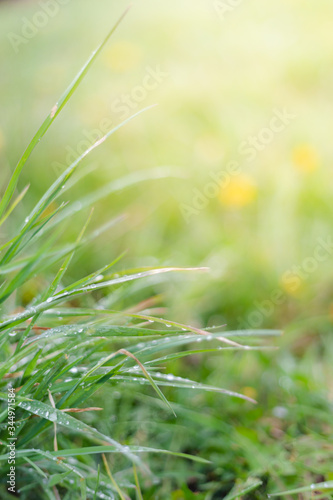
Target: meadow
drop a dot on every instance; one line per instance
(166, 308)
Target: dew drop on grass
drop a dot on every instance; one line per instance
(170, 376)
(12, 334)
(53, 416)
(49, 299)
(73, 370)
(168, 326)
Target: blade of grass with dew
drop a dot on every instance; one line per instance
(327, 485)
(65, 296)
(91, 450)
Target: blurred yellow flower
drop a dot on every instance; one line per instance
(250, 392)
(239, 192)
(305, 158)
(292, 284)
(122, 57)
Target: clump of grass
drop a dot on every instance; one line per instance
(56, 352)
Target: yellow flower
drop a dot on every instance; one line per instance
(250, 392)
(292, 284)
(305, 158)
(122, 57)
(239, 192)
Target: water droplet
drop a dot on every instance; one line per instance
(53, 416)
(73, 370)
(49, 299)
(168, 326)
(170, 376)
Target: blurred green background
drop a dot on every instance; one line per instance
(218, 74)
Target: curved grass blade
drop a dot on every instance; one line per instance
(182, 383)
(91, 450)
(327, 485)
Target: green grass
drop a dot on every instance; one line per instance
(56, 357)
(224, 81)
